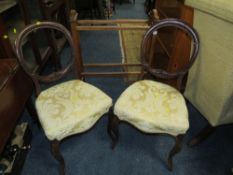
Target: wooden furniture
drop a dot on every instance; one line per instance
(13, 93)
(163, 51)
(13, 96)
(55, 44)
(41, 58)
(50, 11)
(167, 49)
(92, 8)
(6, 50)
(55, 10)
(148, 6)
(67, 108)
(151, 106)
(92, 25)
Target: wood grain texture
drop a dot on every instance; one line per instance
(13, 96)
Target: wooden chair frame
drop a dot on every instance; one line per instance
(36, 78)
(114, 121)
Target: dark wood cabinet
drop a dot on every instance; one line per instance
(15, 86)
(6, 50)
(15, 89)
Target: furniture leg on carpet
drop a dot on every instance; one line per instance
(202, 135)
(113, 130)
(55, 150)
(176, 149)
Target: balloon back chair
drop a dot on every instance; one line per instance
(66, 108)
(152, 106)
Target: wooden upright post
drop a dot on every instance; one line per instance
(77, 46)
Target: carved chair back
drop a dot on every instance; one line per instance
(160, 73)
(36, 77)
(49, 10)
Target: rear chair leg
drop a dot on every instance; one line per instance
(202, 135)
(113, 130)
(55, 150)
(32, 111)
(176, 149)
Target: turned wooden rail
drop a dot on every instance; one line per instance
(103, 25)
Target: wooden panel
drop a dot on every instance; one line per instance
(168, 8)
(180, 56)
(6, 50)
(176, 42)
(13, 96)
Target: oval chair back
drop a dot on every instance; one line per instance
(163, 74)
(36, 77)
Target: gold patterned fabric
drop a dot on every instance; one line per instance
(153, 107)
(71, 107)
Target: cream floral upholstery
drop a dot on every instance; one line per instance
(153, 107)
(71, 107)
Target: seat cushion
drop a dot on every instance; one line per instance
(153, 107)
(71, 107)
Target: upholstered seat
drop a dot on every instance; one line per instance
(71, 107)
(153, 107)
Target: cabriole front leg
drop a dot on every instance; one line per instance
(55, 150)
(176, 149)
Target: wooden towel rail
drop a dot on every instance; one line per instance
(102, 25)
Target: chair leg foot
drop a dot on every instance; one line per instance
(176, 149)
(55, 150)
(113, 130)
(202, 135)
